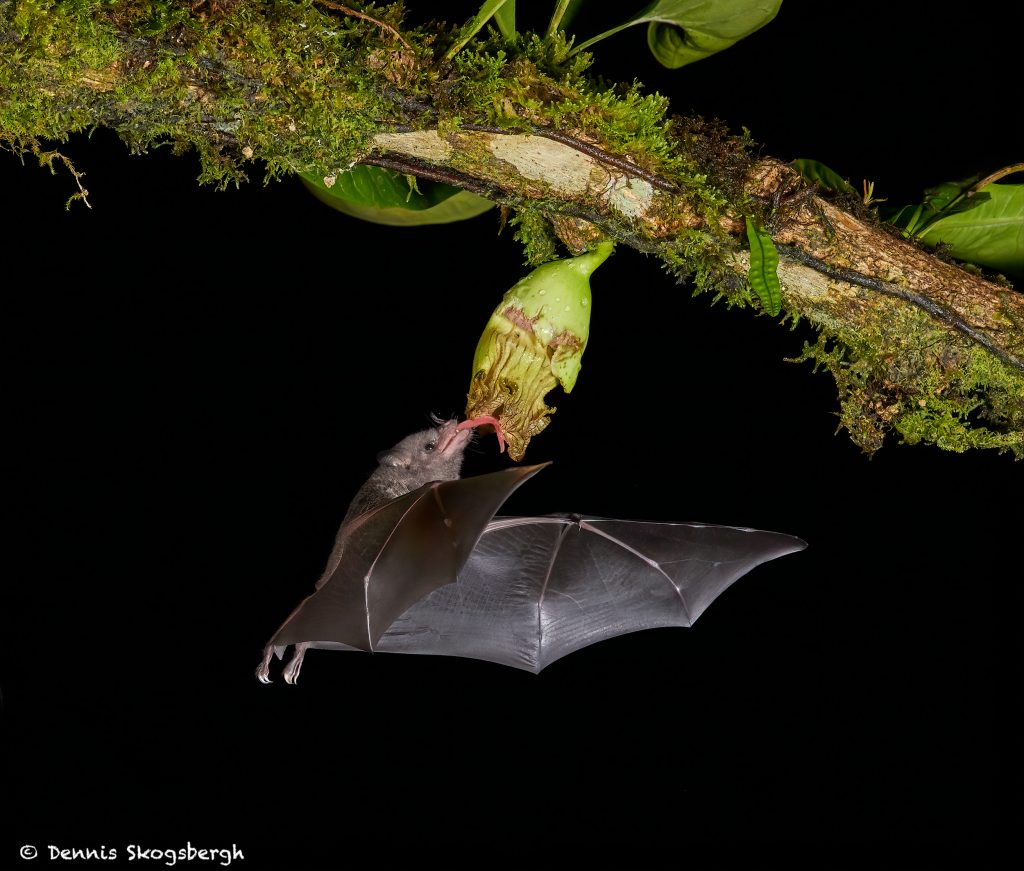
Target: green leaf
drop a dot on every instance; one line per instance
(382, 188)
(472, 27)
(571, 9)
(680, 32)
(460, 207)
(826, 178)
(940, 201)
(942, 195)
(990, 233)
(505, 18)
(905, 217)
(763, 274)
(383, 196)
(562, 15)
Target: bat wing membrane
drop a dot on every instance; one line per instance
(387, 559)
(536, 589)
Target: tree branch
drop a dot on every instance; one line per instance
(916, 344)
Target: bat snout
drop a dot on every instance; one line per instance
(451, 437)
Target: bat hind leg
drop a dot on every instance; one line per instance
(291, 671)
(263, 669)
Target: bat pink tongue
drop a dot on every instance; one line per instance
(485, 420)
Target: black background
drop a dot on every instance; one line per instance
(197, 382)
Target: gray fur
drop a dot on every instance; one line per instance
(434, 454)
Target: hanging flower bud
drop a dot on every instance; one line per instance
(534, 340)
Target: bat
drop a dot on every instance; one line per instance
(409, 529)
(433, 571)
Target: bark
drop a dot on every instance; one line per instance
(916, 344)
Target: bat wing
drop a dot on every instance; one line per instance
(536, 589)
(387, 559)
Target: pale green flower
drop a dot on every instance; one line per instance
(534, 340)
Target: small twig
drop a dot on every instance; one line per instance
(889, 289)
(383, 25)
(578, 145)
(411, 166)
(604, 157)
(584, 148)
(995, 176)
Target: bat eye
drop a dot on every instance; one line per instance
(429, 446)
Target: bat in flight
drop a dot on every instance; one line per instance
(421, 564)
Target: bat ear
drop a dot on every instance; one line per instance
(388, 458)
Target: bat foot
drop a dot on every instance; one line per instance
(263, 669)
(291, 671)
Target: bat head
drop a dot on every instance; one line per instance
(433, 454)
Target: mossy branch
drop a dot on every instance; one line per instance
(916, 344)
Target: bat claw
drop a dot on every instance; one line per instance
(263, 669)
(291, 671)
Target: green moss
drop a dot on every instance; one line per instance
(532, 85)
(306, 88)
(535, 234)
(285, 78)
(944, 390)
